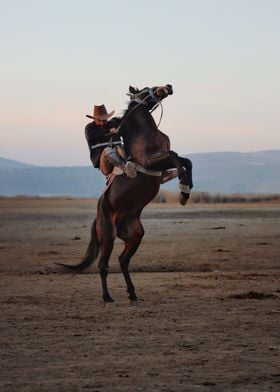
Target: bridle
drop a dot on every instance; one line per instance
(151, 94)
(139, 101)
(157, 101)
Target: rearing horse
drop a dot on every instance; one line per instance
(120, 206)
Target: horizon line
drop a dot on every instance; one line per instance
(184, 155)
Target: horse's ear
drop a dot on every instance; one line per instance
(133, 90)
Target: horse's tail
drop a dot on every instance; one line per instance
(90, 256)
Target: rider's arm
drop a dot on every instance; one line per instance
(96, 134)
(114, 122)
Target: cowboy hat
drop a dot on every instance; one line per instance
(100, 113)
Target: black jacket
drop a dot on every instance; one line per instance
(100, 134)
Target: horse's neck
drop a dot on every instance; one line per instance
(142, 137)
(165, 140)
(141, 118)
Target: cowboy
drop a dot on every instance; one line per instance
(102, 137)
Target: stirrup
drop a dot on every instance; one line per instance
(130, 170)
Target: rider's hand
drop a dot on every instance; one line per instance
(114, 130)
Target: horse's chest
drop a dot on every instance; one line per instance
(161, 142)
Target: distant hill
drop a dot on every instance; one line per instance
(9, 163)
(233, 172)
(51, 181)
(221, 172)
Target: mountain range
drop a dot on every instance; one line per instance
(217, 172)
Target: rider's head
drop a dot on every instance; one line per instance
(99, 122)
(100, 115)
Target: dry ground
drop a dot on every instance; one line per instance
(208, 317)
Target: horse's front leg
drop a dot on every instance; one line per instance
(165, 160)
(170, 159)
(184, 168)
(155, 159)
(187, 165)
(180, 169)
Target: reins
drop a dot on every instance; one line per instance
(161, 113)
(127, 113)
(139, 102)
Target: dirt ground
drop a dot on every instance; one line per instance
(207, 319)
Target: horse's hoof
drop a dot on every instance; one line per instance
(183, 198)
(132, 297)
(133, 302)
(107, 298)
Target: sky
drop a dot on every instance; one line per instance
(61, 57)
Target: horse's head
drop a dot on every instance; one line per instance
(150, 96)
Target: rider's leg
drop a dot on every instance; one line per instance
(109, 155)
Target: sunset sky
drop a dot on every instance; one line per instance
(60, 57)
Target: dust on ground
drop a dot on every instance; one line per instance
(208, 314)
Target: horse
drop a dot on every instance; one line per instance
(119, 207)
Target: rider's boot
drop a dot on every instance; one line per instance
(128, 167)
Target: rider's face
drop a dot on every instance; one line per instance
(100, 123)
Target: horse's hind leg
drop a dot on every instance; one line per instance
(106, 250)
(106, 232)
(131, 232)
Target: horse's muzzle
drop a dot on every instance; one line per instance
(163, 91)
(169, 89)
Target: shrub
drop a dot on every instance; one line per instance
(206, 198)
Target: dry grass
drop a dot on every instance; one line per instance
(204, 197)
(168, 197)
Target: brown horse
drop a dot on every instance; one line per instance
(120, 206)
